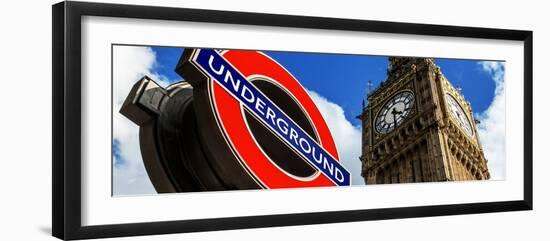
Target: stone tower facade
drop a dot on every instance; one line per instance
(418, 127)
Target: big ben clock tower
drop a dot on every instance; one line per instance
(417, 127)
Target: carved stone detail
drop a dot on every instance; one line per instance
(428, 146)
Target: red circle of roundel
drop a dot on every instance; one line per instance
(230, 115)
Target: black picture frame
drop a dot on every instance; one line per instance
(67, 135)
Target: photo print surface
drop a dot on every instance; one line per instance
(199, 119)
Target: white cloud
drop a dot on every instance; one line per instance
(130, 63)
(492, 129)
(346, 136)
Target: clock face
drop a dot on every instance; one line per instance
(458, 113)
(394, 111)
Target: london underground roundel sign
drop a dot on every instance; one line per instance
(257, 124)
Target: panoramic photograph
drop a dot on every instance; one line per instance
(199, 119)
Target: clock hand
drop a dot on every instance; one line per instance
(458, 115)
(395, 112)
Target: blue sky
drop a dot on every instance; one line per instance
(167, 58)
(343, 78)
